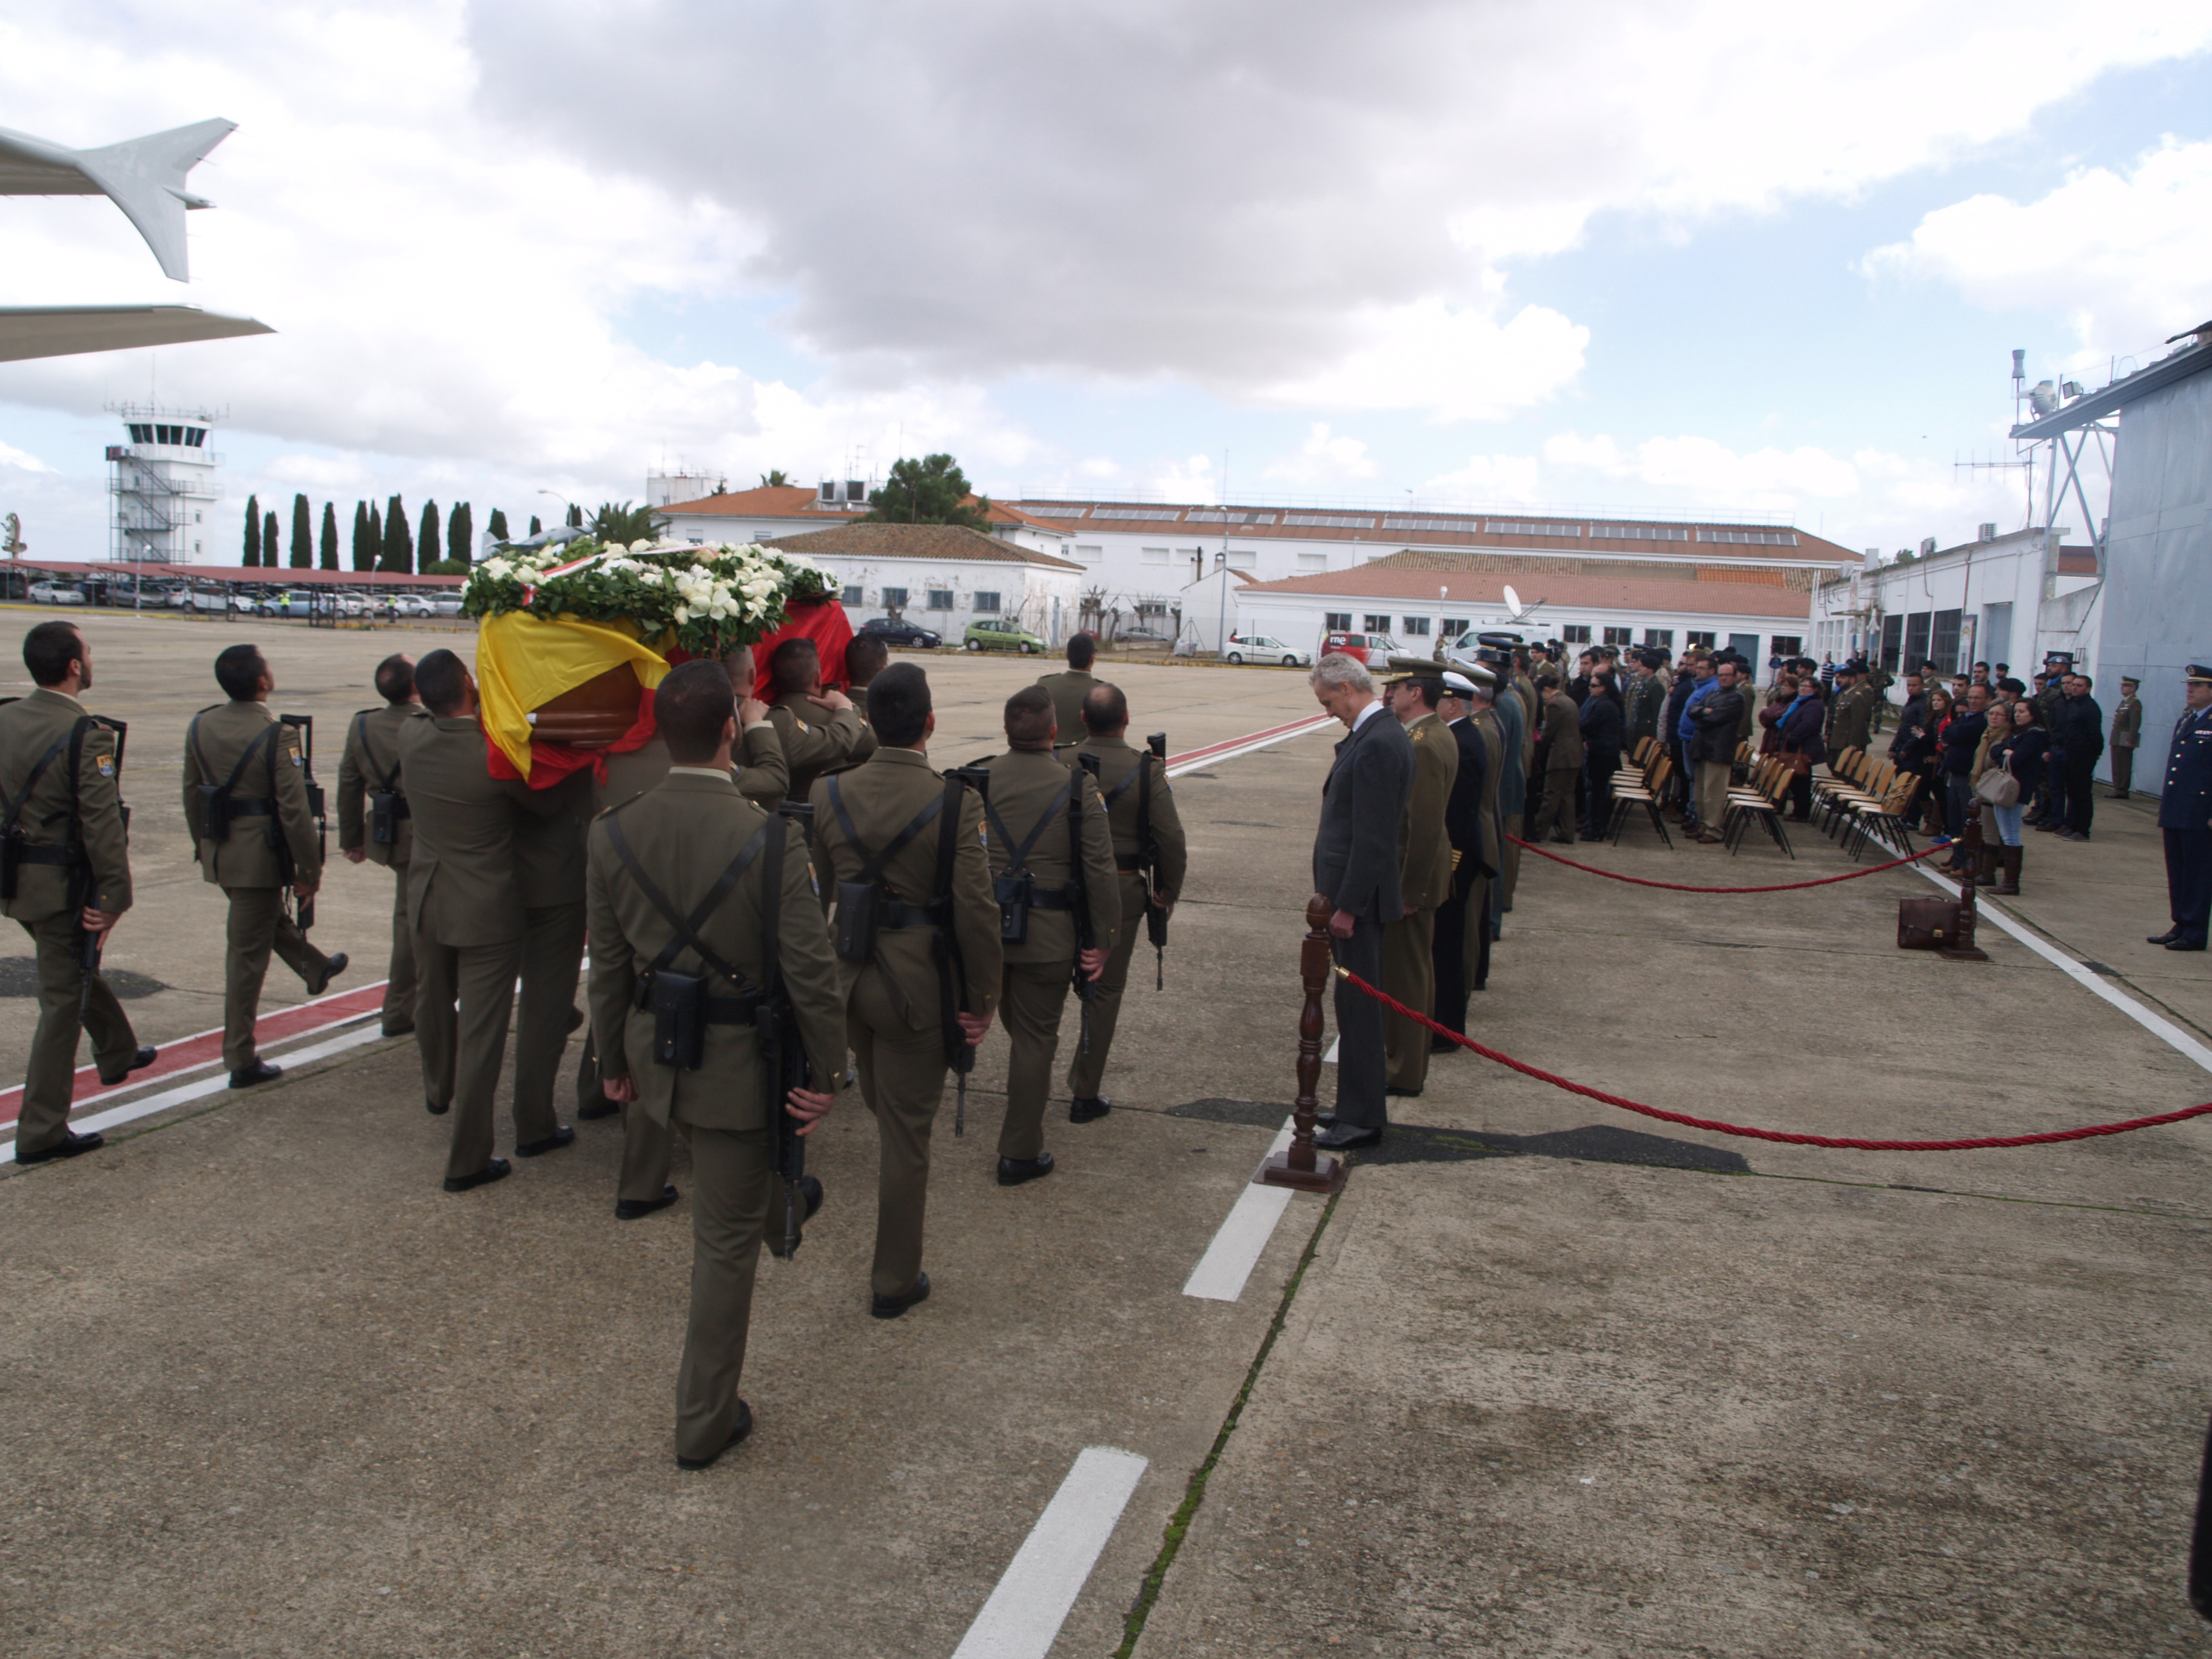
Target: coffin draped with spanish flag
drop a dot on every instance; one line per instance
(557, 693)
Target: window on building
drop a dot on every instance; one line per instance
(1786, 645)
(1575, 634)
(1336, 621)
(1376, 625)
(1707, 641)
(855, 597)
(1089, 555)
(1243, 558)
(894, 598)
(698, 541)
(1916, 639)
(1313, 561)
(1154, 555)
(1659, 638)
(1943, 646)
(987, 603)
(940, 599)
(1619, 637)
(1893, 642)
(1452, 627)
(1415, 625)
(1152, 609)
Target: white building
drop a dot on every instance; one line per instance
(1996, 600)
(943, 577)
(164, 485)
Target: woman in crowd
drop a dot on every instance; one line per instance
(1797, 737)
(1916, 751)
(1985, 760)
(2023, 752)
(1779, 697)
(1604, 721)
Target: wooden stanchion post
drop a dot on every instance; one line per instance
(1297, 1165)
(1962, 947)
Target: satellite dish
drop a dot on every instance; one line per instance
(1512, 599)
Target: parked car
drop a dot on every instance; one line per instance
(1139, 636)
(1263, 647)
(441, 604)
(1374, 649)
(198, 598)
(898, 630)
(56, 593)
(994, 635)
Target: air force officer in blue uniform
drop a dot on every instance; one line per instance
(2184, 813)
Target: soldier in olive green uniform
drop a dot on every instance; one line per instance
(1044, 819)
(465, 900)
(1140, 810)
(685, 837)
(270, 843)
(885, 820)
(370, 768)
(1069, 687)
(1424, 874)
(818, 729)
(1850, 715)
(72, 875)
(1560, 744)
(2127, 737)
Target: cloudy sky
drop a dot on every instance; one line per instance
(1716, 258)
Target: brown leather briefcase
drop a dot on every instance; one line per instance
(1927, 924)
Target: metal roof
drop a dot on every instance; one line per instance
(2098, 405)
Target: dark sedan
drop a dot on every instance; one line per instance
(893, 630)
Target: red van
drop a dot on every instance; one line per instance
(1371, 649)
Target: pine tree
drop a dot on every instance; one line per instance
(269, 537)
(252, 531)
(364, 547)
(330, 539)
(460, 533)
(536, 528)
(303, 534)
(398, 541)
(430, 552)
(497, 523)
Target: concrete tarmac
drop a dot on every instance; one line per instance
(1555, 1378)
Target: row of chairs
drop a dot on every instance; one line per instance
(1866, 799)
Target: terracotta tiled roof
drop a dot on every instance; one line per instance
(918, 541)
(1382, 580)
(1001, 514)
(771, 501)
(1526, 566)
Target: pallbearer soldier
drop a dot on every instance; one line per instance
(1425, 872)
(818, 728)
(246, 804)
(373, 820)
(1150, 857)
(65, 878)
(682, 953)
(465, 898)
(917, 932)
(1069, 687)
(1052, 868)
(2127, 737)
(2184, 816)
(1461, 948)
(865, 656)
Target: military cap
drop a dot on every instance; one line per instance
(1414, 668)
(2198, 674)
(1469, 676)
(1500, 641)
(2129, 679)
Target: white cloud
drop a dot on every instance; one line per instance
(21, 460)
(2125, 255)
(1325, 457)
(1507, 480)
(1460, 365)
(1765, 479)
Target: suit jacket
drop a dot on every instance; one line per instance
(1117, 762)
(1363, 805)
(1561, 740)
(1024, 784)
(247, 856)
(762, 778)
(1474, 797)
(1069, 687)
(882, 798)
(1424, 866)
(814, 740)
(371, 762)
(29, 727)
(464, 884)
(683, 834)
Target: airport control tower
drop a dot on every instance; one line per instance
(164, 485)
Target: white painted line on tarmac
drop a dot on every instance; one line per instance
(184, 1093)
(1237, 1245)
(1329, 1059)
(1023, 1618)
(2160, 1027)
(1266, 741)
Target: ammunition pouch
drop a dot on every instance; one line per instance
(385, 812)
(1015, 891)
(214, 811)
(857, 921)
(678, 1005)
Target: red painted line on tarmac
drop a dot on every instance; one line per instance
(187, 1054)
(1249, 736)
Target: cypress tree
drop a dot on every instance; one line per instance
(364, 550)
(497, 523)
(536, 528)
(431, 552)
(375, 538)
(398, 541)
(330, 560)
(303, 534)
(269, 537)
(575, 517)
(460, 533)
(252, 531)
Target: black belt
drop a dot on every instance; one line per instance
(1048, 900)
(733, 1011)
(1129, 864)
(62, 855)
(897, 913)
(256, 806)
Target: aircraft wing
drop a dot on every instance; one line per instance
(65, 330)
(144, 177)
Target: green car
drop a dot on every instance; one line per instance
(1000, 636)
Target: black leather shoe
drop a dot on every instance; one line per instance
(561, 1136)
(70, 1145)
(496, 1169)
(260, 1071)
(1441, 1046)
(434, 1109)
(1089, 1111)
(630, 1209)
(744, 1427)
(2166, 938)
(333, 965)
(594, 1111)
(890, 1306)
(575, 1017)
(145, 1057)
(1344, 1137)
(1408, 1094)
(811, 1186)
(1013, 1171)
(399, 1028)
(2186, 945)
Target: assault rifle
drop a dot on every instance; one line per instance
(304, 726)
(1148, 863)
(782, 1051)
(960, 1053)
(90, 944)
(1079, 893)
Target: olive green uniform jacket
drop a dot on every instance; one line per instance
(1068, 688)
(815, 741)
(763, 777)
(1425, 862)
(370, 763)
(28, 727)
(247, 856)
(1024, 785)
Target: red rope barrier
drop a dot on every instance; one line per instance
(1779, 887)
(1979, 1144)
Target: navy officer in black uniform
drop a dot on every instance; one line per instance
(2184, 813)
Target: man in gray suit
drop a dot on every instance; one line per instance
(1356, 855)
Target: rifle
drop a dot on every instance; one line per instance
(90, 944)
(304, 726)
(961, 1056)
(1079, 883)
(1148, 864)
(782, 1051)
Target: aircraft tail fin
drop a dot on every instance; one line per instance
(145, 177)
